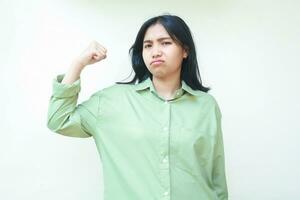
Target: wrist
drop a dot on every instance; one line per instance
(78, 66)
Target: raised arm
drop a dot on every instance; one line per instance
(64, 115)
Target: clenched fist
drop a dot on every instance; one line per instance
(92, 54)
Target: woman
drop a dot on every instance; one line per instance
(158, 136)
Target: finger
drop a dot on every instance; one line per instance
(99, 47)
(102, 56)
(102, 52)
(99, 55)
(96, 55)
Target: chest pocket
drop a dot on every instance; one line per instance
(194, 150)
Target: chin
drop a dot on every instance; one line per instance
(158, 75)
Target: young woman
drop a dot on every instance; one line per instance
(159, 136)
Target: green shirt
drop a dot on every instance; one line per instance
(150, 148)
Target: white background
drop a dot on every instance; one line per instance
(248, 53)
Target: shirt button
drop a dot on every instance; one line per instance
(166, 193)
(166, 102)
(165, 160)
(165, 128)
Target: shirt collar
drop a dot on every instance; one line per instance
(147, 83)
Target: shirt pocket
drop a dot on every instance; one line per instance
(194, 150)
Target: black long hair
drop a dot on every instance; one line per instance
(179, 32)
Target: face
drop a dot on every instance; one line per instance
(162, 55)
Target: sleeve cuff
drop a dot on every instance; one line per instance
(64, 90)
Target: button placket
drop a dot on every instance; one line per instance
(164, 164)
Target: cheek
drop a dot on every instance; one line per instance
(145, 58)
(177, 57)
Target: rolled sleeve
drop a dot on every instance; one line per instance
(65, 116)
(61, 90)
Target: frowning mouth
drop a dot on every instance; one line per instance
(156, 62)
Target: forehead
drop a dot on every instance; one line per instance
(155, 32)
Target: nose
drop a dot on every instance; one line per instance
(156, 52)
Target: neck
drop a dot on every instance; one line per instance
(166, 87)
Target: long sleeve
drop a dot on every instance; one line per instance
(65, 116)
(218, 172)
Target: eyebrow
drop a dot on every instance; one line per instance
(159, 39)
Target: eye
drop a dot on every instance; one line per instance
(147, 46)
(166, 43)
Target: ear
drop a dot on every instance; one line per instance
(185, 55)
(185, 52)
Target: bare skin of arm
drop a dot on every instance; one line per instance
(92, 54)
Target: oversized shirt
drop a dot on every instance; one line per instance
(150, 148)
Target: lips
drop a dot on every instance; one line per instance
(156, 62)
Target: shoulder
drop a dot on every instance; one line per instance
(211, 98)
(209, 101)
(205, 97)
(114, 90)
(214, 105)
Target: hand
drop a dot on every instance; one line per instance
(92, 54)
